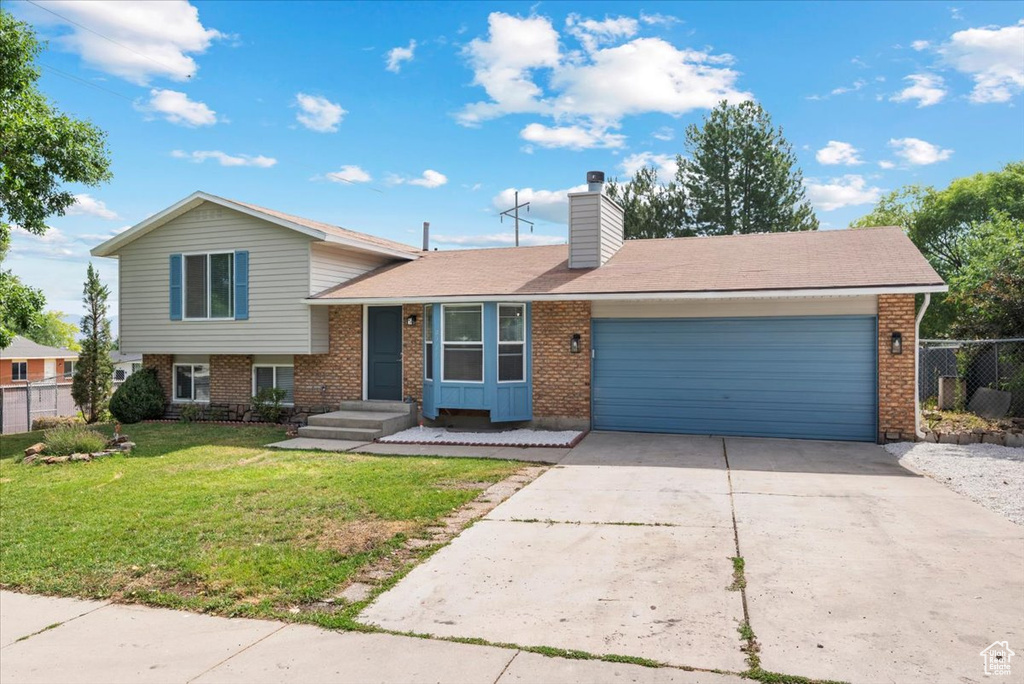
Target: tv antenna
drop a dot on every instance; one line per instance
(513, 214)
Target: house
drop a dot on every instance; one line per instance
(125, 364)
(806, 335)
(26, 361)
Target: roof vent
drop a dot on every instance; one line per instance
(595, 181)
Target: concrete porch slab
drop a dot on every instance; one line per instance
(24, 614)
(309, 443)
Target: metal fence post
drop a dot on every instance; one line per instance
(997, 365)
(28, 406)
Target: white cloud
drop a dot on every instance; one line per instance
(224, 159)
(655, 19)
(886, 164)
(546, 205)
(917, 152)
(927, 89)
(146, 39)
(319, 114)
(56, 244)
(350, 173)
(398, 55)
(86, 205)
(920, 45)
(664, 133)
(572, 137)
(846, 191)
(175, 107)
(854, 87)
(666, 164)
(429, 179)
(498, 240)
(836, 152)
(992, 56)
(593, 33)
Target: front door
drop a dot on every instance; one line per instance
(384, 353)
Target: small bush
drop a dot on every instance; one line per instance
(139, 398)
(73, 439)
(267, 404)
(190, 413)
(50, 422)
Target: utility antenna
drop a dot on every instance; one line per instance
(513, 214)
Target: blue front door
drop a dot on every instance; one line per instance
(384, 353)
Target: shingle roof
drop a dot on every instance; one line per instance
(24, 348)
(854, 258)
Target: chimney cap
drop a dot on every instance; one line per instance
(595, 177)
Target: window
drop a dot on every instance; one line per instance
(69, 368)
(209, 285)
(19, 370)
(462, 357)
(428, 342)
(511, 342)
(191, 382)
(136, 367)
(281, 377)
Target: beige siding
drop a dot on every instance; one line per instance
(710, 308)
(595, 229)
(279, 279)
(332, 265)
(611, 228)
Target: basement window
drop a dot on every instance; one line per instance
(279, 377)
(191, 382)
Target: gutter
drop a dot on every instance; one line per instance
(917, 366)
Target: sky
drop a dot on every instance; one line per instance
(377, 117)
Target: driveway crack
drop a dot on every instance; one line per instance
(746, 631)
(505, 669)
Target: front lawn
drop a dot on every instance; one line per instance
(203, 517)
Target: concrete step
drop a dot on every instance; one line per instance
(360, 419)
(351, 434)
(383, 406)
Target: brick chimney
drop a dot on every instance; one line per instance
(595, 225)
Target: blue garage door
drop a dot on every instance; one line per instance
(811, 377)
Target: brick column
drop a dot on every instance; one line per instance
(896, 388)
(163, 364)
(230, 379)
(412, 353)
(561, 380)
(324, 379)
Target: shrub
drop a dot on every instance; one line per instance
(73, 439)
(139, 398)
(267, 404)
(50, 422)
(191, 413)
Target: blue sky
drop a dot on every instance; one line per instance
(377, 117)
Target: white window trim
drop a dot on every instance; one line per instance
(174, 384)
(483, 355)
(22, 379)
(209, 303)
(431, 342)
(74, 366)
(275, 366)
(499, 343)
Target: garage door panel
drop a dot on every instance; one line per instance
(812, 377)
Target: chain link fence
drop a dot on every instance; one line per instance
(985, 377)
(20, 405)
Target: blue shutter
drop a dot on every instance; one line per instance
(175, 287)
(241, 285)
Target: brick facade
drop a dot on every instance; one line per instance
(35, 368)
(412, 353)
(230, 379)
(324, 379)
(163, 364)
(561, 380)
(896, 388)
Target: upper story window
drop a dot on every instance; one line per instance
(69, 368)
(428, 342)
(462, 354)
(209, 285)
(19, 370)
(511, 342)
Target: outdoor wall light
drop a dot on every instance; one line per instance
(897, 343)
(411, 320)
(574, 344)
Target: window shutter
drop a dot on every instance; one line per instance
(241, 285)
(175, 287)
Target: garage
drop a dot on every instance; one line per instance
(809, 377)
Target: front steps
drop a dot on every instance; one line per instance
(361, 421)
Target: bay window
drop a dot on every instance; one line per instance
(428, 342)
(209, 285)
(277, 377)
(462, 352)
(511, 342)
(191, 382)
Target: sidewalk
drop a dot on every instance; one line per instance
(58, 640)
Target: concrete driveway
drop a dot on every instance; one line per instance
(856, 569)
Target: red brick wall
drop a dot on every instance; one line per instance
(230, 379)
(412, 353)
(896, 389)
(322, 379)
(561, 380)
(163, 363)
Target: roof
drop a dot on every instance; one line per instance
(24, 348)
(118, 356)
(863, 258)
(314, 229)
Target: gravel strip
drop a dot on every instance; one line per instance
(986, 473)
(521, 437)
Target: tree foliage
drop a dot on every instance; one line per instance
(94, 372)
(40, 147)
(20, 307)
(51, 330)
(739, 175)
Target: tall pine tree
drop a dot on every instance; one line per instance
(94, 372)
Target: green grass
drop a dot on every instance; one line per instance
(203, 517)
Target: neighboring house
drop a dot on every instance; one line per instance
(125, 364)
(26, 361)
(808, 335)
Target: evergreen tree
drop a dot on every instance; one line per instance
(651, 209)
(90, 387)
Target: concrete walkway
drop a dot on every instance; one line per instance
(47, 640)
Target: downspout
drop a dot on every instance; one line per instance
(917, 365)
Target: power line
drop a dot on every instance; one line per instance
(513, 214)
(121, 45)
(72, 77)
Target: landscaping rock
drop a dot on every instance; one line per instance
(931, 437)
(1015, 440)
(126, 446)
(949, 438)
(81, 457)
(969, 438)
(29, 459)
(994, 438)
(36, 448)
(990, 403)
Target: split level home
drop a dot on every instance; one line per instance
(802, 335)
